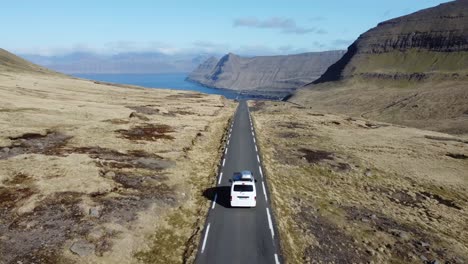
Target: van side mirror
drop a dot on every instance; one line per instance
(230, 180)
(255, 181)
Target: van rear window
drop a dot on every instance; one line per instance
(243, 188)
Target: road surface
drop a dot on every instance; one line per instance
(239, 235)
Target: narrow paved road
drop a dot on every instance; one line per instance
(239, 235)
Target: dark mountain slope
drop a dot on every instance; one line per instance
(269, 74)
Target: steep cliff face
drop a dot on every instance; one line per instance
(204, 69)
(411, 70)
(266, 73)
(429, 44)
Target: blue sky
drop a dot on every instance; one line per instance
(253, 27)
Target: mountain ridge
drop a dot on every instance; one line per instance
(280, 74)
(126, 62)
(411, 70)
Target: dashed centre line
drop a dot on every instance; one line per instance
(214, 201)
(264, 191)
(220, 177)
(270, 223)
(276, 259)
(258, 158)
(206, 237)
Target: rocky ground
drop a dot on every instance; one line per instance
(347, 190)
(95, 173)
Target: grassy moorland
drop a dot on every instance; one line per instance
(96, 173)
(350, 190)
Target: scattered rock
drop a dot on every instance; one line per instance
(368, 173)
(82, 248)
(109, 174)
(424, 244)
(139, 116)
(94, 212)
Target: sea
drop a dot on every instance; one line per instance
(175, 81)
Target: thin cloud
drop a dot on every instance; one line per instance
(285, 25)
(317, 18)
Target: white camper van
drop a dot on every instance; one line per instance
(243, 191)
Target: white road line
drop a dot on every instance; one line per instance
(260, 169)
(276, 259)
(220, 177)
(253, 134)
(254, 140)
(224, 161)
(214, 201)
(256, 149)
(225, 152)
(270, 224)
(228, 140)
(206, 237)
(264, 191)
(258, 158)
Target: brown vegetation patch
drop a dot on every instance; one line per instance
(373, 125)
(181, 112)
(125, 208)
(457, 156)
(132, 159)
(315, 114)
(411, 242)
(185, 95)
(446, 139)
(401, 197)
(334, 245)
(117, 121)
(315, 156)
(145, 109)
(40, 234)
(292, 125)
(10, 196)
(442, 200)
(148, 132)
(257, 106)
(341, 167)
(288, 135)
(19, 179)
(34, 143)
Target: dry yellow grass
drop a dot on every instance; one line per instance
(431, 105)
(350, 190)
(108, 167)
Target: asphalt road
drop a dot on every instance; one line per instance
(239, 235)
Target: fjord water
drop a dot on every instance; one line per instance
(161, 81)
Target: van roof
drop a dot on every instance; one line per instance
(243, 176)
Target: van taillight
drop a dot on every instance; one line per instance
(231, 197)
(255, 198)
